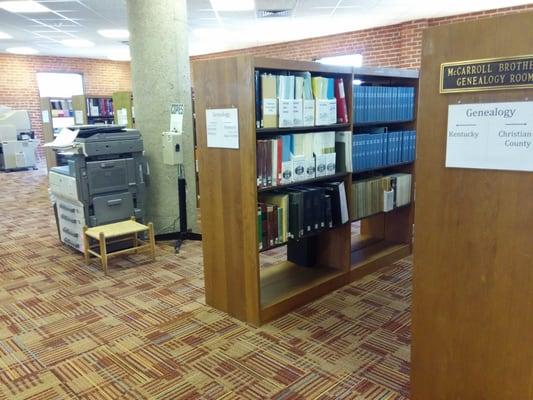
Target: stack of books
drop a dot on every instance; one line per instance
(292, 214)
(100, 107)
(298, 100)
(61, 108)
(378, 150)
(383, 104)
(295, 157)
(380, 194)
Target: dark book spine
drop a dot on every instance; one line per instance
(268, 158)
(275, 236)
(264, 221)
(327, 211)
(258, 113)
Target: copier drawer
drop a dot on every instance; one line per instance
(113, 208)
(107, 176)
(71, 221)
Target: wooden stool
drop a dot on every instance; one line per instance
(128, 229)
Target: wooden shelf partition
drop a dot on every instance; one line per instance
(234, 281)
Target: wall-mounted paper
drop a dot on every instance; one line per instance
(222, 128)
(78, 117)
(122, 116)
(490, 136)
(176, 117)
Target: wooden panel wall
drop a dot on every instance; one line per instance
(473, 278)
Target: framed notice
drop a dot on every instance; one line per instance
(490, 136)
(222, 126)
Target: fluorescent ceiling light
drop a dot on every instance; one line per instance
(120, 55)
(4, 35)
(114, 33)
(22, 50)
(350, 60)
(357, 82)
(24, 7)
(233, 5)
(77, 43)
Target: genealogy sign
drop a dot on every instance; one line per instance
(490, 136)
(487, 74)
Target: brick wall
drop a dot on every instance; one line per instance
(18, 80)
(390, 46)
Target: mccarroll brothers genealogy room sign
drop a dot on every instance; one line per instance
(487, 74)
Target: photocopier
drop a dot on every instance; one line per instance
(17, 143)
(103, 182)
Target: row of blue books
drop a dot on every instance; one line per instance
(378, 150)
(383, 103)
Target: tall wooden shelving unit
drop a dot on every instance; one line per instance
(234, 281)
(80, 103)
(124, 100)
(51, 125)
(385, 237)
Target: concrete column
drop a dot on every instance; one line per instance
(160, 76)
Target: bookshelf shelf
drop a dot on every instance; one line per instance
(315, 233)
(404, 164)
(382, 212)
(376, 255)
(334, 177)
(382, 123)
(234, 280)
(303, 129)
(282, 282)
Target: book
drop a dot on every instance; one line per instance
(380, 194)
(281, 200)
(343, 151)
(383, 103)
(269, 101)
(342, 111)
(257, 92)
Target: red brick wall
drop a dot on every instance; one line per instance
(18, 80)
(389, 46)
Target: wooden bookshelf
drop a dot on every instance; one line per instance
(390, 233)
(124, 100)
(81, 107)
(234, 280)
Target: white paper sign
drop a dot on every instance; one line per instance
(490, 136)
(222, 128)
(46, 117)
(176, 117)
(78, 117)
(122, 116)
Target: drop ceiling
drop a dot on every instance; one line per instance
(211, 31)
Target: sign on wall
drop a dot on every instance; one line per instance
(487, 74)
(490, 136)
(222, 128)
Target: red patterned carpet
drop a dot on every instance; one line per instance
(144, 332)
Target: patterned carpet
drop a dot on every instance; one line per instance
(144, 332)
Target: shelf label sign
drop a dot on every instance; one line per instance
(222, 128)
(490, 136)
(487, 74)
